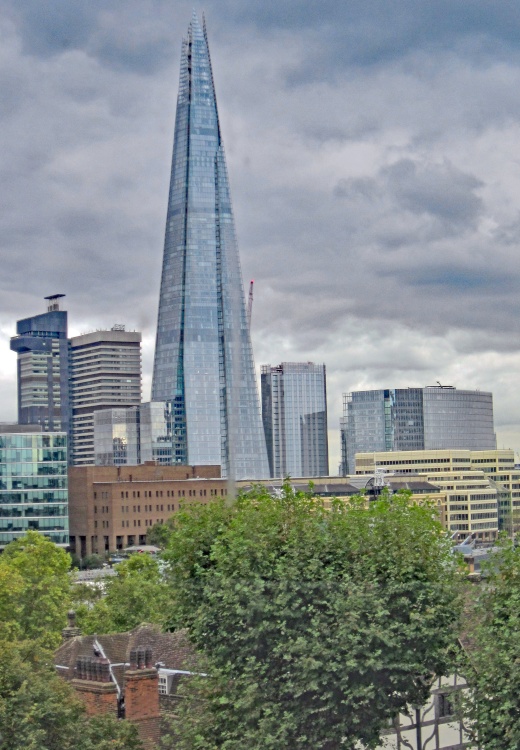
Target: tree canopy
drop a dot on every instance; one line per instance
(137, 594)
(492, 668)
(317, 624)
(35, 589)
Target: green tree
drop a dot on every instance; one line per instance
(40, 711)
(159, 535)
(37, 710)
(108, 733)
(493, 665)
(40, 572)
(137, 594)
(92, 562)
(317, 624)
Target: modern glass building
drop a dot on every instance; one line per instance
(203, 357)
(33, 484)
(117, 437)
(43, 368)
(294, 413)
(128, 437)
(402, 419)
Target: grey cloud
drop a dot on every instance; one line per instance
(441, 190)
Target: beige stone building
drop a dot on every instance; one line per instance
(482, 487)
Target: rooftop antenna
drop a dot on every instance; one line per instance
(53, 304)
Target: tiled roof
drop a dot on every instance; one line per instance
(173, 650)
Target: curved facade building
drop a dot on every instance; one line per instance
(402, 419)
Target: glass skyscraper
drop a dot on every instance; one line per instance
(294, 413)
(412, 419)
(203, 358)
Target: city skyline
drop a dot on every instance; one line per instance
(385, 140)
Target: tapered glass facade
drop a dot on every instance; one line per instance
(33, 486)
(203, 358)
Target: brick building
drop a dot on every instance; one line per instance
(112, 507)
(130, 675)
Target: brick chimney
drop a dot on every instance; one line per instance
(142, 695)
(71, 631)
(94, 686)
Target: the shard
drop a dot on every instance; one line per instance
(203, 357)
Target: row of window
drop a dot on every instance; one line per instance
(136, 494)
(137, 522)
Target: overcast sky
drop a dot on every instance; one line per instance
(373, 150)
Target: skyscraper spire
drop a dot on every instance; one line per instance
(203, 356)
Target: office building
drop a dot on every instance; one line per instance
(113, 507)
(105, 372)
(33, 483)
(203, 357)
(42, 368)
(482, 488)
(294, 414)
(415, 419)
(126, 437)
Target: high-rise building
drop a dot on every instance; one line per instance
(401, 419)
(105, 372)
(43, 371)
(294, 413)
(203, 357)
(33, 490)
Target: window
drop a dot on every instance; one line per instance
(444, 705)
(163, 684)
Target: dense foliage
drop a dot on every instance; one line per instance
(137, 594)
(317, 624)
(40, 711)
(35, 590)
(493, 655)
